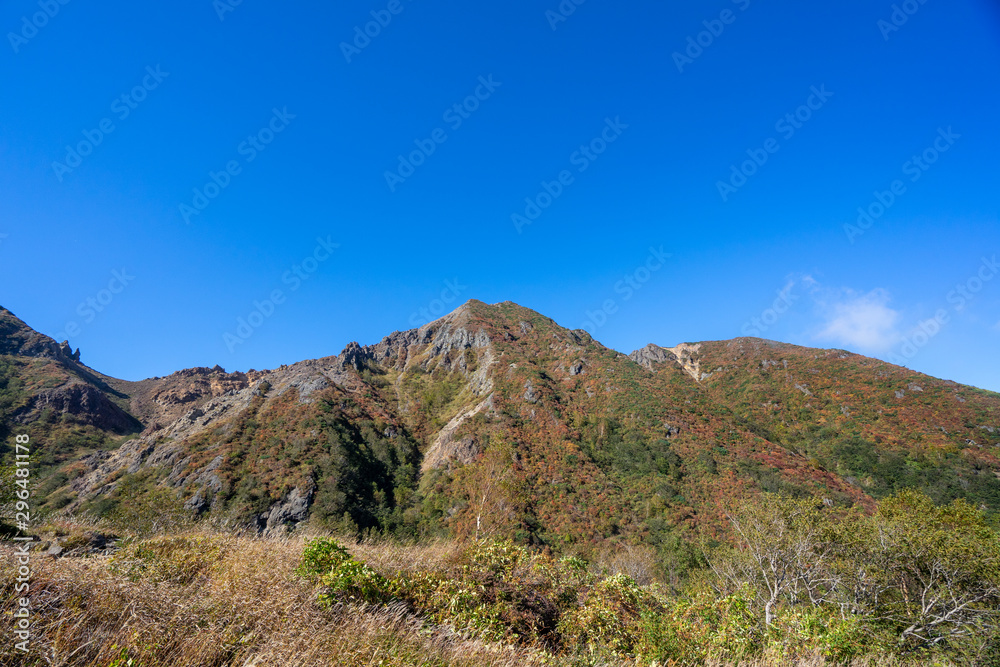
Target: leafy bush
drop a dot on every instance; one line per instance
(702, 628)
(351, 580)
(610, 615)
(498, 558)
(320, 556)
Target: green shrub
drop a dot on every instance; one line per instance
(610, 616)
(706, 627)
(498, 591)
(498, 558)
(801, 632)
(351, 580)
(565, 579)
(320, 556)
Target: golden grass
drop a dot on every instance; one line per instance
(244, 608)
(210, 600)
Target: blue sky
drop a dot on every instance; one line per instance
(217, 156)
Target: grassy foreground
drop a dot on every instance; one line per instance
(201, 598)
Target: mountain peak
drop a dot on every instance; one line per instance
(17, 338)
(500, 392)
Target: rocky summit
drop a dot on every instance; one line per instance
(496, 419)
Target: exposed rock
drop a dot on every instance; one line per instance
(530, 395)
(152, 428)
(85, 403)
(18, 339)
(900, 394)
(444, 447)
(576, 369)
(89, 543)
(310, 387)
(284, 515)
(164, 400)
(101, 465)
(651, 355)
(354, 355)
(196, 503)
(67, 352)
(687, 357)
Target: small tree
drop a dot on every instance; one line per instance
(932, 574)
(784, 550)
(492, 492)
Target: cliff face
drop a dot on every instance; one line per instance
(79, 402)
(18, 339)
(496, 414)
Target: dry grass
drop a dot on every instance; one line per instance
(245, 607)
(207, 600)
(388, 556)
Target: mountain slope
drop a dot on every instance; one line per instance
(494, 419)
(881, 427)
(46, 392)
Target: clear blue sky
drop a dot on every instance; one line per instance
(309, 128)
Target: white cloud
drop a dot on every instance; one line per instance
(860, 321)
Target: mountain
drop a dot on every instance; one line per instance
(494, 419)
(45, 389)
(880, 427)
